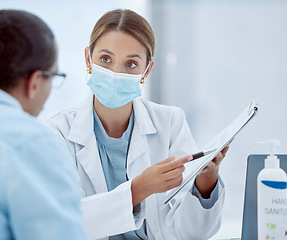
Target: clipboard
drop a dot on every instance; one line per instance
(218, 143)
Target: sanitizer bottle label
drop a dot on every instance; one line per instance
(272, 210)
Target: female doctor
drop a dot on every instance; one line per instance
(123, 145)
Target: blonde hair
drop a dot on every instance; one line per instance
(126, 21)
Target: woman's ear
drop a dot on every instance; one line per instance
(87, 58)
(149, 68)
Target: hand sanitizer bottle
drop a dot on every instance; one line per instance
(271, 195)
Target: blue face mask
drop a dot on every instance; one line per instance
(112, 89)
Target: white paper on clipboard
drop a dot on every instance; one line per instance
(218, 143)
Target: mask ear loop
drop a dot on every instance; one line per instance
(143, 79)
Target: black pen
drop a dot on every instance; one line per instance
(201, 154)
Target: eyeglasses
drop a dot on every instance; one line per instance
(58, 78)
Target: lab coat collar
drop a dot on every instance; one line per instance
(142, 118)
(84, 120)
(9, 100)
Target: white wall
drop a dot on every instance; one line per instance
(214, 58)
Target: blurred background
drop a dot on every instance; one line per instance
(212, 59)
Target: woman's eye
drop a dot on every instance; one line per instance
(105, 59)
(131, 64)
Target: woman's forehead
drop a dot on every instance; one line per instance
(119, 44)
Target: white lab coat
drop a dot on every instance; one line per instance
(159, 132)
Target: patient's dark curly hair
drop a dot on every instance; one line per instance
(27, 44)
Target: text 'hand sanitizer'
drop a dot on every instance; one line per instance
(271, 195)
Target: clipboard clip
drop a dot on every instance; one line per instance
(253, 107)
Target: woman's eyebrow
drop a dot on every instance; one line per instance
(128, 56)
(134, 55)
(107, 51)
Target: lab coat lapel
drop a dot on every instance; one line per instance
(82, 134)
(138, 149)
(89, 159)
(139, 160)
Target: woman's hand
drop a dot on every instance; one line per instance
(206, 180)
(158, 178)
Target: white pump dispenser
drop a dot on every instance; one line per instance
(271, 195)
(272, 161)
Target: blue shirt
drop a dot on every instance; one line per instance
(39, 188)
(113, 153)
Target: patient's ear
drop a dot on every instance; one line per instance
(33, 84)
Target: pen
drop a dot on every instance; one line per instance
(201, 154)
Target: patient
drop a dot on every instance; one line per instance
(39, 196)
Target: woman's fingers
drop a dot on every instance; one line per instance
(225, 150)
(174, 173)
(175, 182)
(219, 157)
(164, 175)
(174, 163)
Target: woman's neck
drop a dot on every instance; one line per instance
(115, 121)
